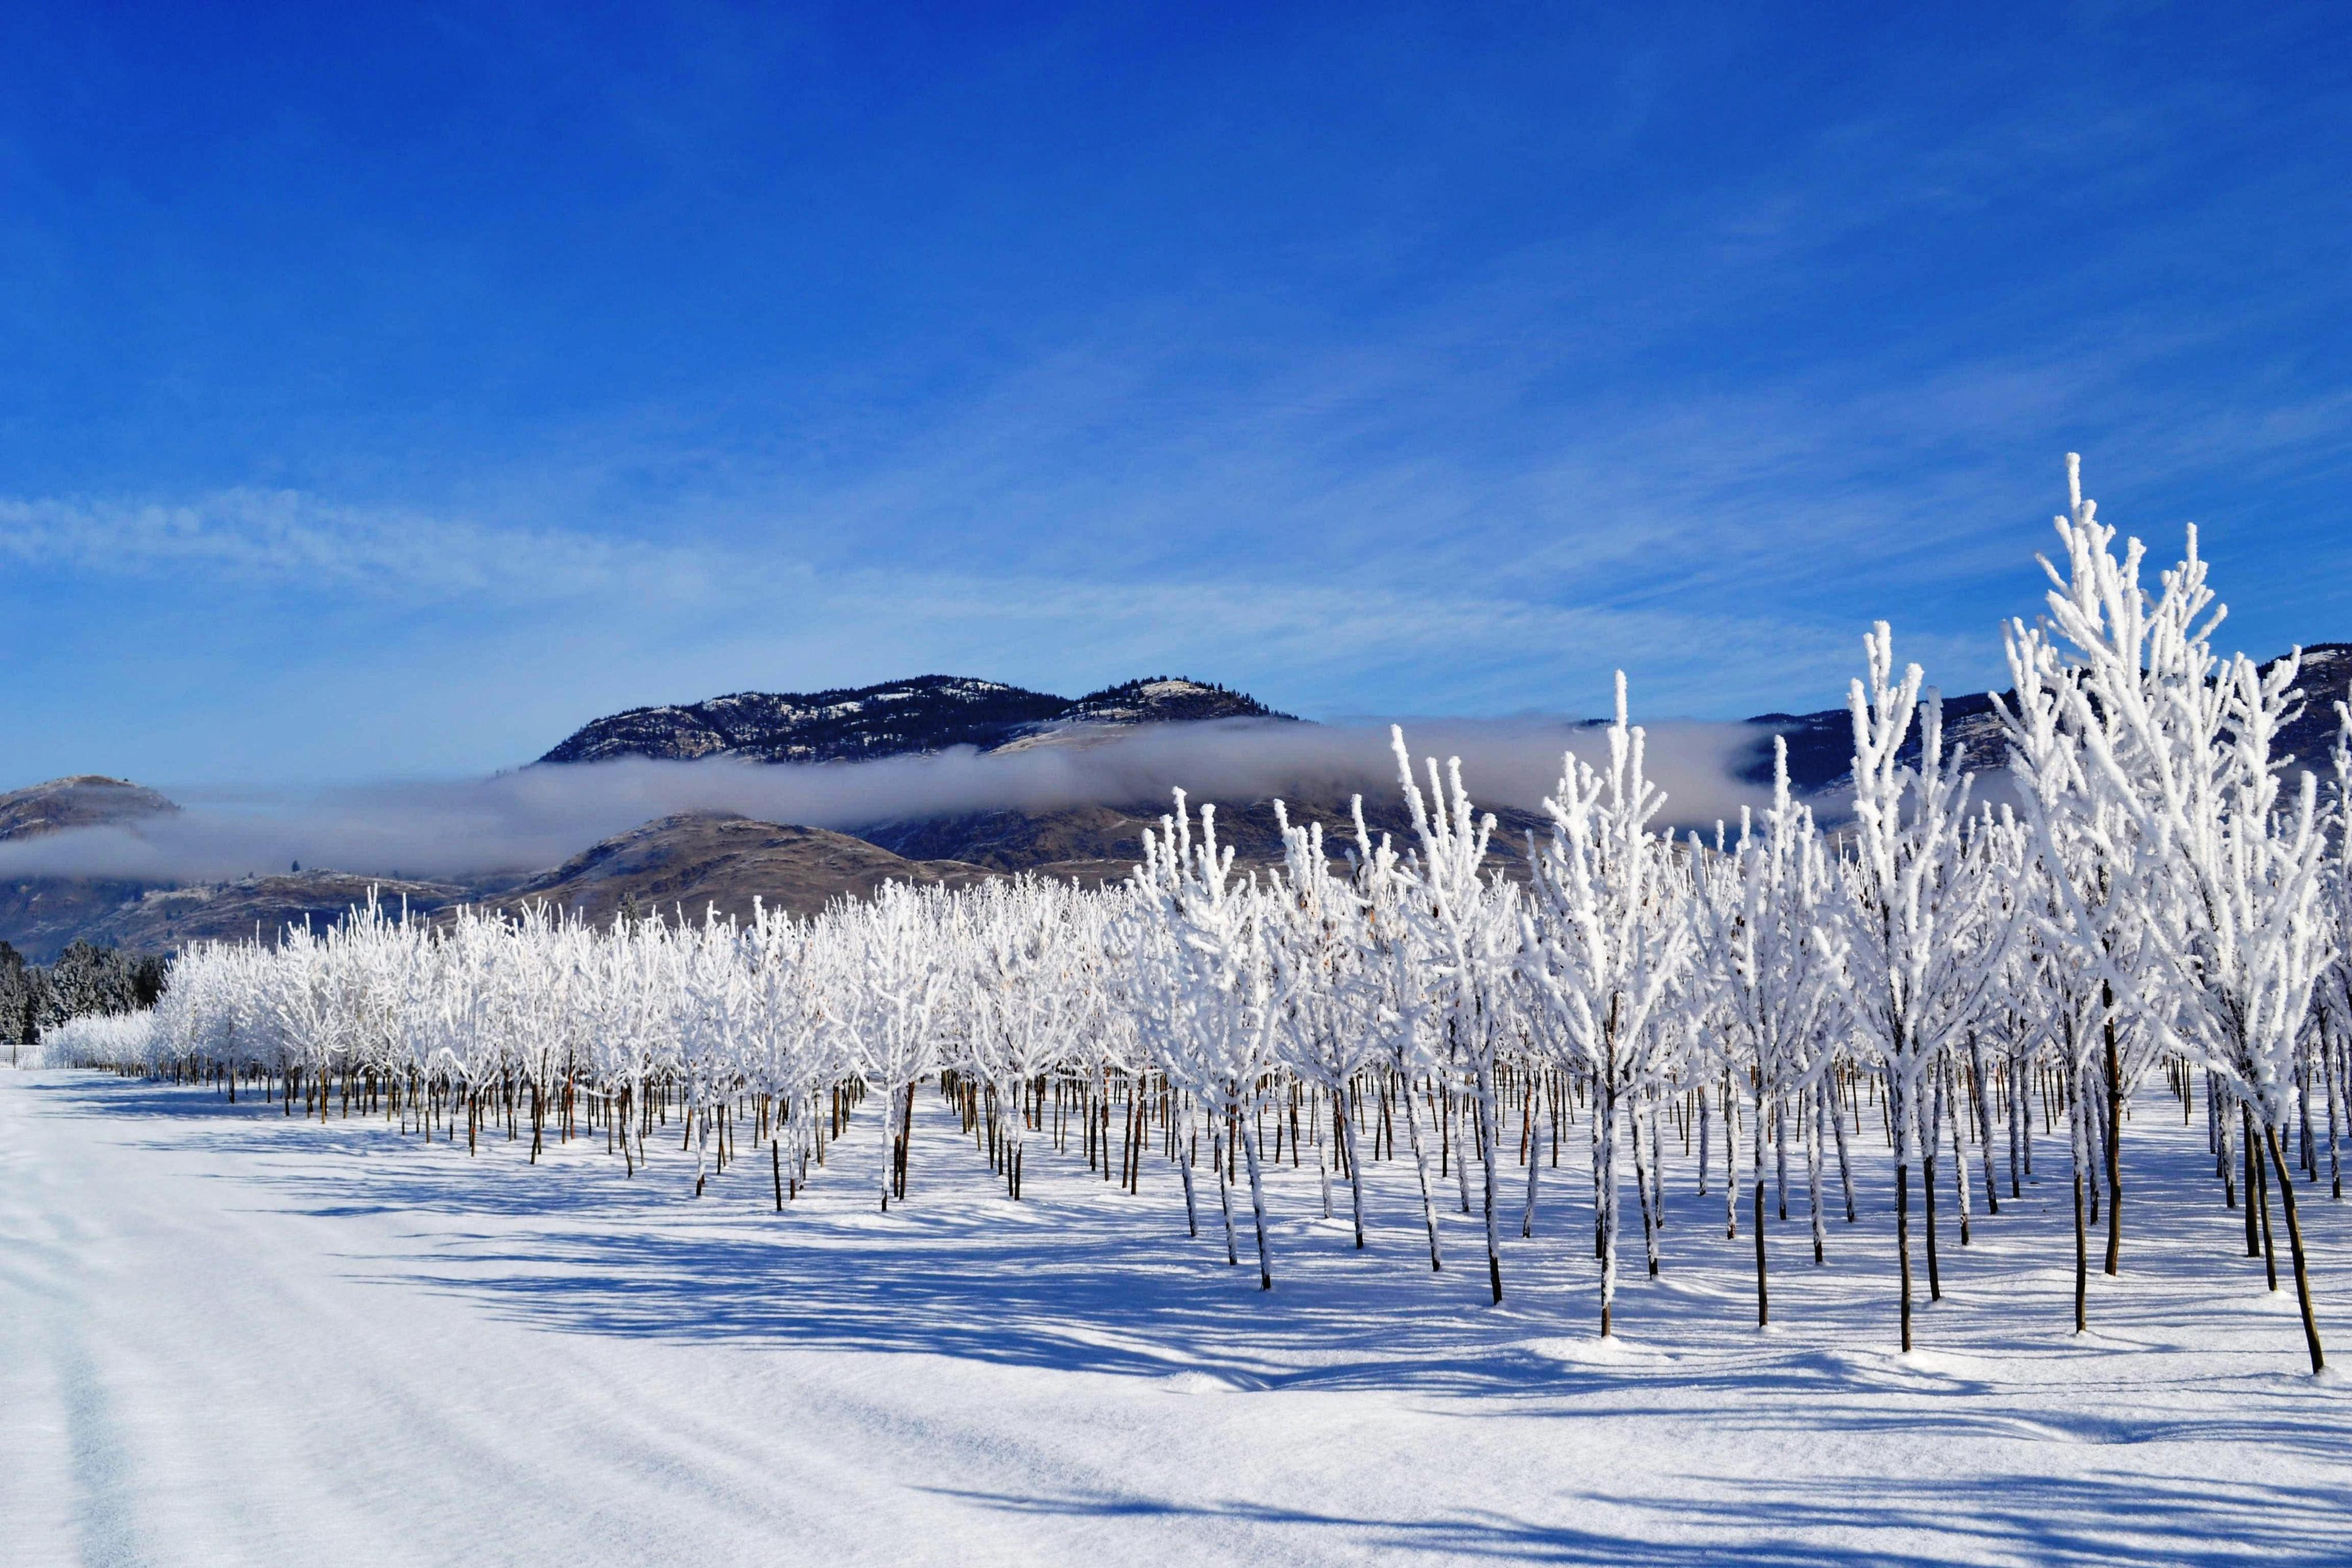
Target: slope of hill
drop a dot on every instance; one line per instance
(2324, 679)
(900, 718)
(159, 919)
(1098, 842)
(84, 801)
(697, 859)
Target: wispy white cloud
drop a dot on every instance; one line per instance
(291, 539)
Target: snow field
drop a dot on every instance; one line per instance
(226, 1336)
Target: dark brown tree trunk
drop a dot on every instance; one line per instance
(1903, 1242)
(2263, 1202)
(2253, 1222)
(1928, 1185)
(2082, 1260)
(2294, 1247)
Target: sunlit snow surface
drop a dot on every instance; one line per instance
(229, 1337)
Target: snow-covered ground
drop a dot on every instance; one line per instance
(226, 1338)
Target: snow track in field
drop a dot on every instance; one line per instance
(227, 1337)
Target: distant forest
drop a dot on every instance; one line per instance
(86, 978)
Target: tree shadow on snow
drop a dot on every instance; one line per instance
(1812, 1524)
(1083, 1276)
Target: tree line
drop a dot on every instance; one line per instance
(85, 981)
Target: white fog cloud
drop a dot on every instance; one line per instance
(538, 817)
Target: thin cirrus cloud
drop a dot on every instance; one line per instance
(286, 537)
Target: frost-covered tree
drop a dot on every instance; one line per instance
(1775, 964)
(1403, 1009)
(1469, 925)
(1211, 968)
(1609, 938)
(1922, 942)
(2181, 744)
(1328, 1029)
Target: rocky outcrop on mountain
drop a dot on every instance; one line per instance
(1164, 699)
(930, 712)
(1116, 710)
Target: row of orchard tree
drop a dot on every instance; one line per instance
(2161, 893)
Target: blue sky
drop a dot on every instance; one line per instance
(389, 393)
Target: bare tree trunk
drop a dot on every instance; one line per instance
(2295, 1246)
(1421, 1169)
(1927, 1130)
(1184, 1169)
(1224, 1193)
(1645, 1188)
(2331, 1081)
(1462, 1154)
(907, 1141)
(1535, 1164)
(2263, 1202)
(1258, 1203)
(1902, 1210)
(1347, 1130)
(1730, 1162)
(1845, 1162)
(2081, 1235)
(1763, 1297)
(889, 1139)
(2252, 1183)
(1487, 1154)
(1705, 1127)
(1813, 1131)
(1605, 1193)
(1657, 1181)
(1323, 1157)
(2302, 1103)
(2017, 1114)
(1959, 1092)
(1780, 1154)
(1983, 1088)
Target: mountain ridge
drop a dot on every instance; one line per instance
(892, 719)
